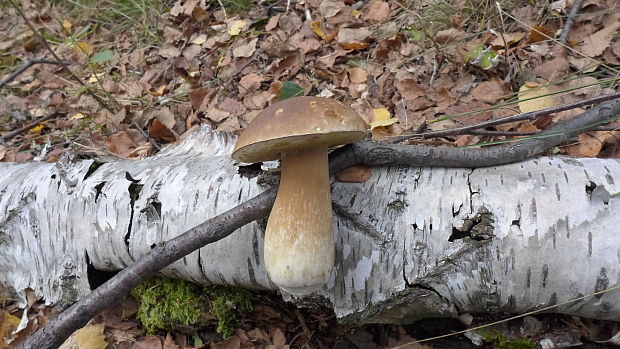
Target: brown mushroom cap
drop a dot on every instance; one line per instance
(295, 123)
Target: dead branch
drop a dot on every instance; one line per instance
(34, 123)
(30, 63)
(568, 25)
(366, 152)
(519, 117)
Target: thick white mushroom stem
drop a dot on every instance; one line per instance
(299, 241)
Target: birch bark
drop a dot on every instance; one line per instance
(410, 242)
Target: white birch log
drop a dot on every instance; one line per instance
(403, 248)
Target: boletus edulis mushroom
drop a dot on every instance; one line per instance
(299, 239)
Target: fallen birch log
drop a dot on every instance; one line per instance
(410, 242)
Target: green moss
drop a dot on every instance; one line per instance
(166, 303)
(502, 342)
(228, 306)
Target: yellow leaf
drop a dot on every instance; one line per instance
(8, 323)
(382, 118)
(37, 128)
(318, 30)
(157, 91)
(533, 97)
(356, 14)
(236, 26)
(83, 47)
(66, 25)
(94, 77)
(91, 337)
(77, 116)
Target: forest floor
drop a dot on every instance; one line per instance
(125, 78)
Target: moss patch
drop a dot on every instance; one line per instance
(228, 306)
(502, 342)
(166, 303)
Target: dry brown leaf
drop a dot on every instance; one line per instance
(589, 146)
(120, 143)
(169, 51)
(584, 65)
(489, 91)
(595, 44)
(507, 39)
(277, 336)
(199, 14)
(378, 11)
(540, 33)
(148, 342)
(272, 23)
(449, 35)
(250, 82)
(357, 75)
(330, 8)
(308, 45)
(230, 343)
(246, 50)
(354, 174)
(351, 36)
(410, 89)
(554, 68)
(166, 117)
(159, 131)
(169, 342)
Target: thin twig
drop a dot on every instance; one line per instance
(157, 146)
(18, 131)
(519, 117)
(30, 63)
(101, 102)
(569, 21)
(519, 134)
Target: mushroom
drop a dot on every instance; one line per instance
(299, 240)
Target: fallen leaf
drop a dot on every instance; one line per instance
(235, 27)
(308, 45)
(354, 174)
(166, 117)
(66, 26)
(169, 342)
(353, 37)
(169, 51)
(489, 91)
(588, 146)
(409, 89)
(290, 89)
(91, 337)
(148, 342)
(533, 97)
(8, 322)
(378, 11)
(449, 35)
(595, 44)
(357, 75)
(507, 39)
(250, 82)
(554, 68)
(199, 14)
(317, 27)
(246, 50)
(230, 343)
(540, 33)
(382, 118)
(120, 143)
(272, 23)
(83, 48)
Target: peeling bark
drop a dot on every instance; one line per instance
(410, 242)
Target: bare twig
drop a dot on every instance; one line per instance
(30, 63)
(101, 102)
(18, 131)
(570, 20)
(369, 153)
(519, 117)
(157, 146)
